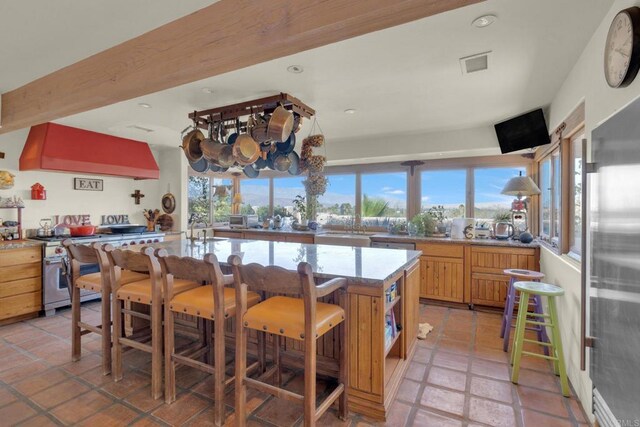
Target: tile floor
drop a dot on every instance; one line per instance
(459, 376)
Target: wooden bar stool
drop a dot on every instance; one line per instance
(549, 320)
(147, 292)
(513, 299)
(304, 319)
(79, 256)
(213, 303)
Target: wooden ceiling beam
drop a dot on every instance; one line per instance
(226, 36)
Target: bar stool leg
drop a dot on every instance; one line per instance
(156, 351)
(508, 315)
(218, 327)
(557, 346)
(76, 347)
(277, 343)
(116, 349)
(519, 338)
(106, 330)
(309, 379)
(506, 322)
(343, 405)
(169, 364)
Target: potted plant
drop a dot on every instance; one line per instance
(424, 224)
(502, 224)
(300, 207)
(437, 212)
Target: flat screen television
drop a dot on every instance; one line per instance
(525, 131)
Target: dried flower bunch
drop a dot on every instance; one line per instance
(316, 183)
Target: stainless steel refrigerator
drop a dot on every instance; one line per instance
(614, 265)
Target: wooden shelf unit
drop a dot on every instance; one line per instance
(19, 209)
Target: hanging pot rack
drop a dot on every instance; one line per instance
(230, 115)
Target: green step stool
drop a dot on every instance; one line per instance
(550, 320)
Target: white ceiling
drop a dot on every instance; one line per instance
(406, 79)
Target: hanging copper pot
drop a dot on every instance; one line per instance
(191, 145)
(281, 162)
(280, 124)
(245, 150)
(259, 130)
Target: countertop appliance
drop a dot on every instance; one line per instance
(243, 221)
(611, 262)
(394, 245)
(54, 276)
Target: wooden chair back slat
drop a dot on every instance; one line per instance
(187, 268)
(81, 253)
(272, 279)
(130, 260)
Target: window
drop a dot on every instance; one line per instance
(550, 187)
(488, 198)
(337, 205)
(575, 191)
(199, 199)
(384, 198)
(222, 195)
(445, 188)
(255, 197)
(284, 191)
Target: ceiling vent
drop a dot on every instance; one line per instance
(475, 63)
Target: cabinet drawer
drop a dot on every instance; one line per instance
(17, 287)
(20, 304)
(300, 239)
(28, 255)
(22, 271)
(449, 250)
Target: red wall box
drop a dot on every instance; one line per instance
(55, 147)
(38, 192)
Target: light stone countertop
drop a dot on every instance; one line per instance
(386, 237)
(18, 244)
(359, 265)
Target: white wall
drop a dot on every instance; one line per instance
(62, 199)
(586, 81)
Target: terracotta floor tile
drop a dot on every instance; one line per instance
(408, 390)
(492, 413)
(113, 416)
(543, 401)
(458, 362)
(454, 346)
(95, 377)
(149, 422)
(185, 407)
(457, 334)
(130, 382)
(499, 371)
(398, 414)
(41, 341)
(142, 400)
(544, 381)
(88, 361)
(59, 393)
(416, 371)
(422, 355)
(14, 361)
(17, 373)
(577, 410)
(443, 400)
(81, 407)
(426, 418)
(37, 383)
(536, 419)
(280, 412)
(38, 421)
(492, 389)
(255, 398)
(6, 397)
(492, 354)
(27, 334)
(186, 377)
(331, 419)
(15, 412)
(447, 378)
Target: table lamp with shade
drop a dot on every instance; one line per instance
(521, 187)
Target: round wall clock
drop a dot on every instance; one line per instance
(622, 49)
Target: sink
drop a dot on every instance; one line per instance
(341, 238)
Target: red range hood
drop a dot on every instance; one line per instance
(55, 147)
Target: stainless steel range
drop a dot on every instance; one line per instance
(54, 278)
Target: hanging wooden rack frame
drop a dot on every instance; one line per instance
(256, 106)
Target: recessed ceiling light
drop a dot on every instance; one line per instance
(350, 111)
(484, 21)
(207, 90)
(144, 105)
(295, 69)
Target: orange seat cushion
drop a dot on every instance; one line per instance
(93, 281)
(141, 291)
(199, 302)
(285, 316)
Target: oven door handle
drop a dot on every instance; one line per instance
(53, 261)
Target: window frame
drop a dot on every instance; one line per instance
(555, 230)
(577, 140)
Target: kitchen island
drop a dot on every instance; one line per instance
(377, 360)
(20, 280)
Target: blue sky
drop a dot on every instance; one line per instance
(438, 187)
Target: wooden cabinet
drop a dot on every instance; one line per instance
(20, 283)
(442, 279)
(412, 282)
(488, 284)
